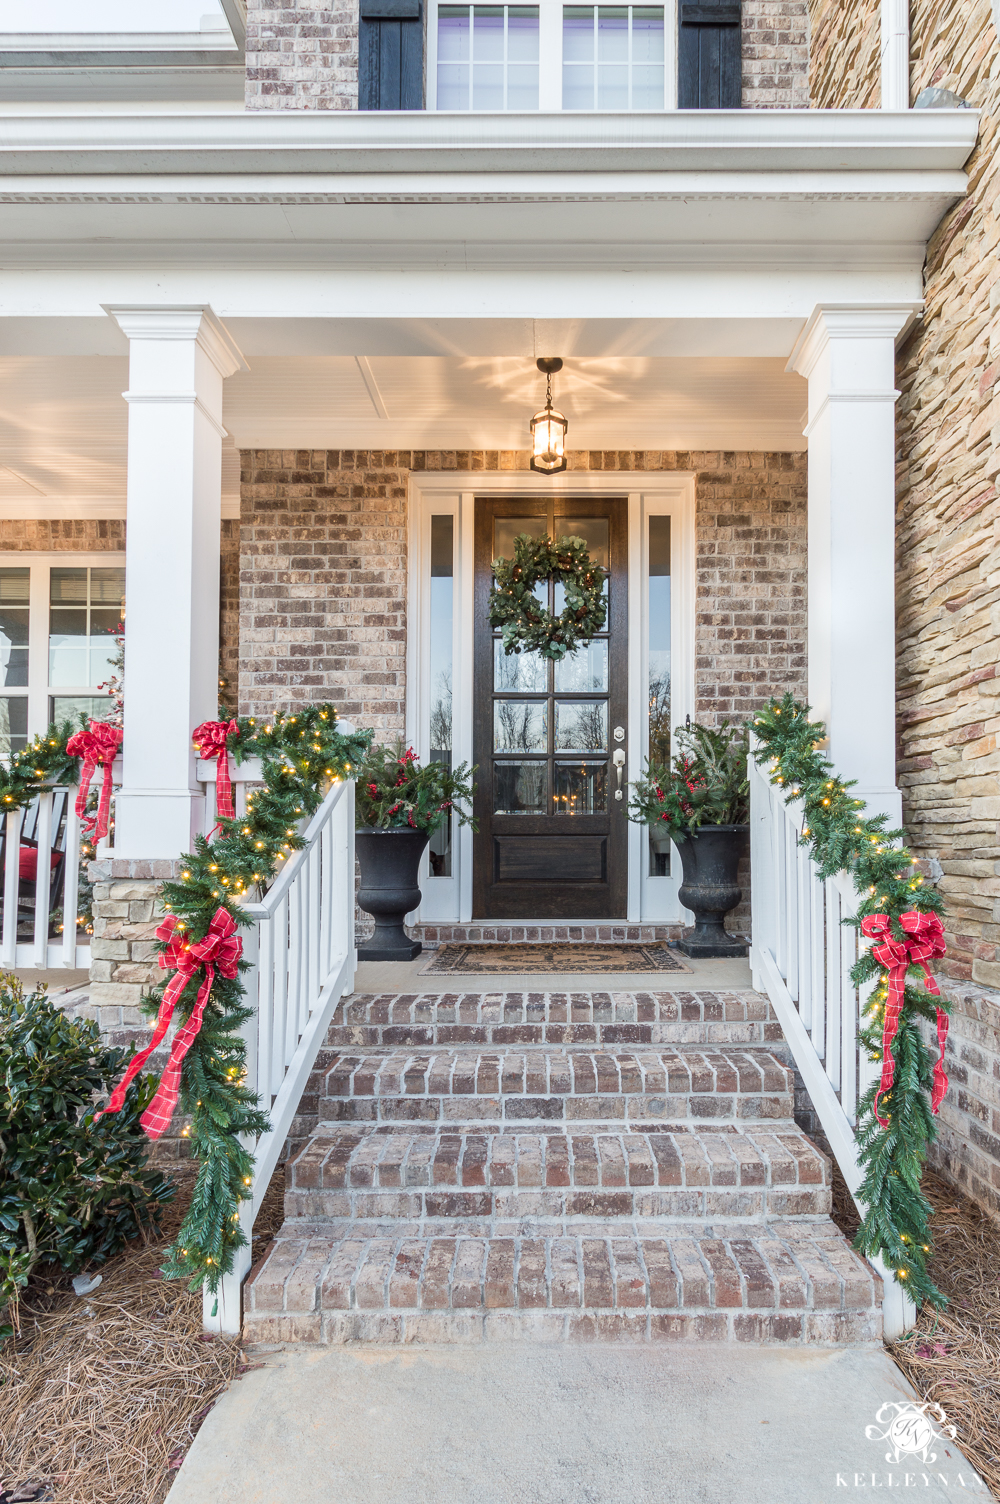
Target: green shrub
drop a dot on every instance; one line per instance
(72, 1191)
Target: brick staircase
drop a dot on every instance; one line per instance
(584, 1166)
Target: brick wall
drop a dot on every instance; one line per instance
(775, 54)
(302, 56)
(968, 1144)
(77, 535)
(844, 54)
(323, 575)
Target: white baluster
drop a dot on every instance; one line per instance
(71, 881)
(43, 879)
(11, 886)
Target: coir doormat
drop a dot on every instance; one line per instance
(508, 960)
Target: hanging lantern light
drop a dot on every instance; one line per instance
(548, 428)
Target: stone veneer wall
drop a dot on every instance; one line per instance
(948, 554)
(303, 56)
(844, 55)
(775, 54)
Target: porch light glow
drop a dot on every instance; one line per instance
(548, 427)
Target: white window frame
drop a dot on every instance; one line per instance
(550, 58)
(40, 565)
(650, 493)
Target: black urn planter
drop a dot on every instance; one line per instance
(711, 863)
(389, 861)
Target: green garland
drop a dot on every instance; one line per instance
(842, 838)
(44, 762)
(526, 626)
(300, 754)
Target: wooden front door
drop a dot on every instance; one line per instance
(552, 836)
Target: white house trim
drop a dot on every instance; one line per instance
(649, 493)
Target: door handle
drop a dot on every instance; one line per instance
(618, 758)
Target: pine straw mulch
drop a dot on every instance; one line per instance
(101, 1395)
(953, 1356)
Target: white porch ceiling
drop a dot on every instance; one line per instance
(63, 422)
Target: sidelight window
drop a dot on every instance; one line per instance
(658, 709)
(441, 626)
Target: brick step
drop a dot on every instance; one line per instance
(548, 1083)
(557, 1018)
(791, 1283)
(497, 1181)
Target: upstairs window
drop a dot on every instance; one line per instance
(613, 57)
(487, 57)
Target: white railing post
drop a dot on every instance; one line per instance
(11, 886)
(43, 878)
(71, 880)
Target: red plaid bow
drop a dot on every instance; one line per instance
(926, 943)
(220, 950)
(98, 747)
(210, 739)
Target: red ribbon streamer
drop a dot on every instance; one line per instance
(98, 747)
(210, 739)
(220, 950)
(926, 943)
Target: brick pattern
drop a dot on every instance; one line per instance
(775, 54)
(323, 574)
(510, 1085)
(229, 610)
(804, 1285)
(522, 1018)
(967, 1148)
(494, 1183)
(844, 54)
(434, 935)
(70, 535)
(301, 56)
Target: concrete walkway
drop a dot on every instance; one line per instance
(724, 975)
(523, 1424)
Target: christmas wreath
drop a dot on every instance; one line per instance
(526, 626)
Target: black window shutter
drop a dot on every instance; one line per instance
(390, 55)
(710, 56)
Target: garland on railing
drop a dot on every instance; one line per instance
(301, 754)
(895, 1116)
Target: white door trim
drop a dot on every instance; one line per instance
(649, 493)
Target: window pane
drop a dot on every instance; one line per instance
(612, 87)
(453, 34)
(522, 35)
(524, 672)
(68, 587)
(487, 39)
(659, 673)
(442, 604)
(14, 585)
(519, 788)
(487, 86)
(579, 788)
(578, 34)
(107, 588)
(71, 707)
(578, 87)
(647, 35)
(586, 669)
(68, 646)
(647, 87)
(612, 34)
(13, 723)
(522, 86)
(520, 726)
(581, 725)
(453, 86)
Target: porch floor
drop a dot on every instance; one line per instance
(726, 974)
(557, 1425)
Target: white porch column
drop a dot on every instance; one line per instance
(178, 358)
(848, 357)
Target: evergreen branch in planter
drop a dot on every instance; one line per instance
(706, 784)
(395, 792)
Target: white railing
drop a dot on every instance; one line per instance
(41, 873)
(303, 961)
(801, 956)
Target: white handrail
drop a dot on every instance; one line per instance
(801, 955)
(303, 960)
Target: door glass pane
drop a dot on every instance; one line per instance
(659, 671)
(519, 788)
(13, 723)
(442, 603)
(506, 529)
(585, 670)
(14, 626)
(594, 532)
(579, 788)
(520, 726)
(525, 672)
(581, 725)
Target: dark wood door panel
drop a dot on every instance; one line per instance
(552, 839)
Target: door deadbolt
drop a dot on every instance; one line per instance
(619, 733)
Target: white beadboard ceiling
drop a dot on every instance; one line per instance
(63, 422)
